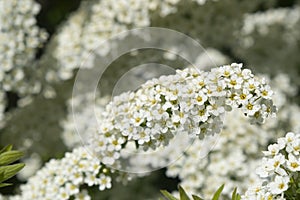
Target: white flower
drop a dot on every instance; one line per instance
(216, 107)
(142, 136)
(63, 194)
(293, 163)
(252, 84)
(266, 92)
(279, 185)
(290, 137)
(72, 189)
(244, 97)
(293, 147)
(200, 114)
(273, 150)
(235, 82)
(277, 161)
(104, 182)
(265, 168)
(82, 196)
(251, 108)
(199, 99)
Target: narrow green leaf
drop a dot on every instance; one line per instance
(168, 195)
(4, 184)
(196, 197)
(10, 157)
(182, 194)
(218, 193)
(233, 197)
(10, 170)
(6, 148)
(1, 176)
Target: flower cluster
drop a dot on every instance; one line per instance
(255, 34)
(96, 21)
(19, 39)
(61, 179)
(262, 21)
(190, 101)
(106, 19)
(231, 158)
(279, 171)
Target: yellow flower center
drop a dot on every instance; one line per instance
(226, 73)
(276, 163)
(281, 186)
(249, 106)
(199, 99)
(294, 165)
(201, 112)
(243, 96)
(137, 120)
(201, 83)
(264, 93)
(233, 82)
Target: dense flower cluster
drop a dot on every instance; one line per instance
(190, 102)
(106, 19)
(95, 22)
(19, 39)
(279, 170)
(173, 95)
(85, 105)
(232, 156)
(162, 109)
(61, 179)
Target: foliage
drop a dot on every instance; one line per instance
(184, 196)
(7, 168)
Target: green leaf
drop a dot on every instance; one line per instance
(233, 197)
(196, 197)
(182, 194)
(168, 195)
(1, 176)
(218, 193)
(10, 157)
(4, 184)
(6, 148)
(10, 170)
